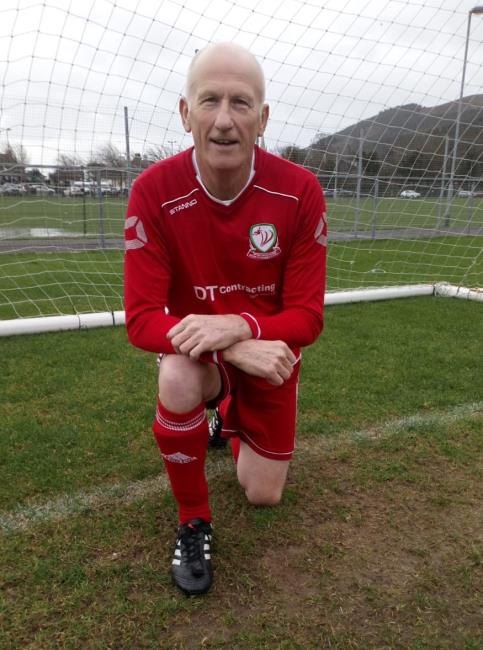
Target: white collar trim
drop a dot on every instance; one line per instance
(213, 198)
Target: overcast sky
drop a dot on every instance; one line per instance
(68, 68)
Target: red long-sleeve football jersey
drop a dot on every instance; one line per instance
(263, 256)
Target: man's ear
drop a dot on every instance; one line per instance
(185, 114)
(263, 120)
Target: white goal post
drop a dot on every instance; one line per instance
(381, 99)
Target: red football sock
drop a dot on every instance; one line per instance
(182, 439)
(235, 447)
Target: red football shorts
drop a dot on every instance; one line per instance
(260, 414)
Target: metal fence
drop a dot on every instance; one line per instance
(84, 207)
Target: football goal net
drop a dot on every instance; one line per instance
(381, 100)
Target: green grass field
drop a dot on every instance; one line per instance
(346, 214)
(375, 545)
(35, 284)
(82, 216)
(71, 215)
(66, 282)
(41, 284)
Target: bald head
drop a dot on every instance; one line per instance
(225, 112)
(220, 58)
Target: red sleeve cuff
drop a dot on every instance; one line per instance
(253, 324)
(212, 357)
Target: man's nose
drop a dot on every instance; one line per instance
(223, 117)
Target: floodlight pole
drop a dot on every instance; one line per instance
(128, 150)
(7, 131)
(477, 11)
(172, 143)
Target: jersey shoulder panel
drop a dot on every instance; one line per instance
(168, 179)
(282, 176)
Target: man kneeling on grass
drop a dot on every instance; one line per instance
(225, 279)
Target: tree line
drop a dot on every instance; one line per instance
(106, 164)
(325, 157)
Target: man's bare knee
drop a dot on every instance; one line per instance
(180, 383)
(184, 383)
(263, 480)
(260, 497)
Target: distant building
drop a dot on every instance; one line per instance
(11, 171)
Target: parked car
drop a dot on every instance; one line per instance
(89, 188)
(107, 189)
(79, 188)
(41, 189)
(12, 189)
(465, 194)
(409, 194)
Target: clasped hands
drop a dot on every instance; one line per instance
(198, 333)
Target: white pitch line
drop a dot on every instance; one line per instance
(33, 512)
(401, 425)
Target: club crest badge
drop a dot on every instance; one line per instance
(263, 241)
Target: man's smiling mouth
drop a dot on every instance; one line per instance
(224, 142)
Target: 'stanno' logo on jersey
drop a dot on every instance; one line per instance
(263, 241)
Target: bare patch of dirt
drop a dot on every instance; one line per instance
(366, 565)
